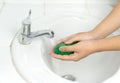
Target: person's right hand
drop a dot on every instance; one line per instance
(79, 37)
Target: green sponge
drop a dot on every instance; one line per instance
(57, 51)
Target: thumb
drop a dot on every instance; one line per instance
(66, 48)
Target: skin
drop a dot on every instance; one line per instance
(94, 40)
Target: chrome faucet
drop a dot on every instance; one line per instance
(26, 36)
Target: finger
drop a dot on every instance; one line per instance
(67, 48)
(77, 57)
(67, 38)
(63, 57)
(73, 39)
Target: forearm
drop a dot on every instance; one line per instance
(109, 24)
(108, 44)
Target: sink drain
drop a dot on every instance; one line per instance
(69, 77)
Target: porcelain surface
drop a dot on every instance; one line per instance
(33, 61)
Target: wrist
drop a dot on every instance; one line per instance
(93, 45)
(94, 35)
(97, 45)
(98, 34)
(101, 45)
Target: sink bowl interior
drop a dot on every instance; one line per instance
(93, 69)
(30, 59)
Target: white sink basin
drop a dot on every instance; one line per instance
(28, 59)
(35, 65)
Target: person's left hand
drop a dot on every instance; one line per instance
(81, 49)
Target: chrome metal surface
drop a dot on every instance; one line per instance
(26, 36)
(69, 77)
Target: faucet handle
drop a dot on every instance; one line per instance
(27, 20)
(26, 25)
(29, 13)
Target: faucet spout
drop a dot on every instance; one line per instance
(27, 39)
(47, 33)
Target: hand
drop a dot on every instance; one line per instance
(79, 37)
(81, 49)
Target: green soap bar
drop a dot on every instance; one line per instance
(57, 51)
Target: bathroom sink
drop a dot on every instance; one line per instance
(34, 64)
(30, 60)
